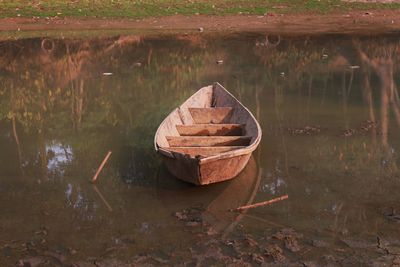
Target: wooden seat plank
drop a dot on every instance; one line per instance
(203, 151)
(210, 129)
(211, 115)
(203, 141)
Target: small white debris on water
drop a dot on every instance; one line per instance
(107, 73)
(220, 61)
(282, 74)
(354, 67)
(201, 29)
(324, 56)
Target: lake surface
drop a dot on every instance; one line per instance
(328, 106)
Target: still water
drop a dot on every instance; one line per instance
(328, 106)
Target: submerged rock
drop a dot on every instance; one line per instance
(275, 252)
(306, 130)
(191, 216)
(289, 236)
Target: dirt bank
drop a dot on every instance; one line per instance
(355, 22)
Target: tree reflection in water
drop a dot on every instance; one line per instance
(59, 114)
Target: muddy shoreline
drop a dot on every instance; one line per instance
(355, 22)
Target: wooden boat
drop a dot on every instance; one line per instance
(209, 138)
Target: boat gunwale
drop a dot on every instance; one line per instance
(229, 154)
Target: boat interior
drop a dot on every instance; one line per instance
(210, 122)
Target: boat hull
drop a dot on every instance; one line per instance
(193, 171)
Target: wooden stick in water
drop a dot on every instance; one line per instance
(264, 203)
(101, 166)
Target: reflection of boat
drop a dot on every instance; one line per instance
(240, 191)
(209, 138)
(215, 200)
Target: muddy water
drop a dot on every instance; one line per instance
(328, 106)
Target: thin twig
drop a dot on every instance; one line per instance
(264, 203)
(101, 166)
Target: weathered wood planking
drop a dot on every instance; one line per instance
(210, 129)
(223, 169)
(240, 114)
(211, 115)
(185, 141)
(201, 99)
(169, 126)
(203, 151)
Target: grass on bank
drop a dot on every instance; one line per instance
(155, 8)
